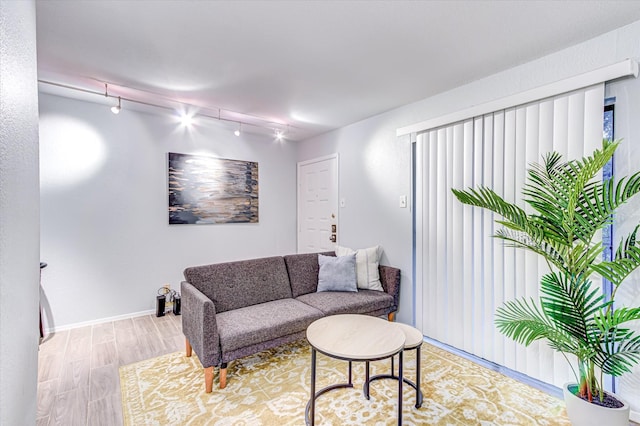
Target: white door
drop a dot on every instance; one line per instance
(318, 204)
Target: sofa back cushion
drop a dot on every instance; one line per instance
(243, 283)
(303, 272)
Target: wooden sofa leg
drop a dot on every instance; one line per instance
(208, 379)
(188, 347)
(391, 316)
(223, 375)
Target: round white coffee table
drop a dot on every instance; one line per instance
(351, 338)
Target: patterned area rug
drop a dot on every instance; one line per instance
(272, 388)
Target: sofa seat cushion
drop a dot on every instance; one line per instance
(263, 322)
(334, 302)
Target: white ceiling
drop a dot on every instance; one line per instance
(315, 65)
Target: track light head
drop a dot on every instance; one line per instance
(280, 134)
(116, 108)
(237, 131)
(186, 119)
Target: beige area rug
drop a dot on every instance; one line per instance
(272, 388)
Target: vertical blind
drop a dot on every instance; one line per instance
(462, 274)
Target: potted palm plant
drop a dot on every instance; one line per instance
(571, 206)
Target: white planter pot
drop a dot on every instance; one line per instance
(584, 413)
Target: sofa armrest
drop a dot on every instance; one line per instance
(390, 279)
(199, 325)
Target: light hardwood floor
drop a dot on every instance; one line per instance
(78, 379)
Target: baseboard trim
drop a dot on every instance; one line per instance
(98, 321)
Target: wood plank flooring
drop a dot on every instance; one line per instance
(78, 380)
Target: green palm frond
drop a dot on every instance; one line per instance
(623, 360)
(590, 213)
(488, 199)
(585, 257)
(574, 179)
(576, 174)
(550, 250)
(617, 271)
(626, 260)
(541, 194)
(598, 202)
(609, 324)
(619, 346)
(570, 302)
(521, 320)
(614, 195)
(627, 245)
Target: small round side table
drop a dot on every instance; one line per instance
(413, 341)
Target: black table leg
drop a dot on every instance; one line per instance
(366, 381)
(310, 416)
(350, 374)
(418, 372)
(400, 380)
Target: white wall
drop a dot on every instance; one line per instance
(19, 230)
(104, 207)
(375, 165)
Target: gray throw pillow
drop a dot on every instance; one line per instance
(337, 273)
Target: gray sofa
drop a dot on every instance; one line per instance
(231, 310)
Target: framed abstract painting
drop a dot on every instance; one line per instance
(206, 190)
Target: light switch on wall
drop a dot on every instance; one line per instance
(403, 201)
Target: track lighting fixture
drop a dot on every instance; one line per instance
(116, 108)
(185, 119)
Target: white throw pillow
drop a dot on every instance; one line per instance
(367, 260)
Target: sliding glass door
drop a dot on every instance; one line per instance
(462, 274)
